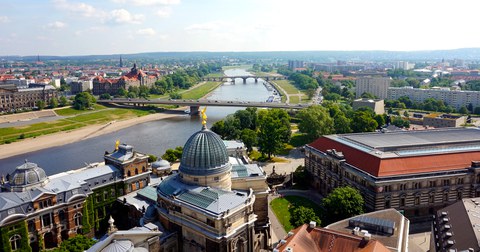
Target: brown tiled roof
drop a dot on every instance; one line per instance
(306, 239)
(379, 167)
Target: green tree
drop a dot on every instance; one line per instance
(245, 119)
(122, 92)
(53, 102)
(463, 110)
(219, 128)
(341, 124)
(310, 93)
(40, 104)
(249, 138)
(315, 121)
(78, 243)
(83, 100)
(269, 137)
(172, 155)
(300, 215)
(342, 203)
(152, 158)
(380, 119)
(363, 121)
(63, 101)
(175, 95)
(105, 96)
(476, 110)
(406, 114)
(368, 95)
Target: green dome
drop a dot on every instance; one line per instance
(204, 154)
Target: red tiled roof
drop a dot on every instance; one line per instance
(306, 239)
(380, 167)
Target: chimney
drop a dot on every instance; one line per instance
(367, 236)
(356, 231)
(313, 224)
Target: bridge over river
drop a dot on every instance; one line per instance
(244, 77)
(195, 104)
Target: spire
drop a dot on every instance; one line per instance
(121, 62)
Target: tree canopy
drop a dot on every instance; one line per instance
(300, 215)
(83, 100)
(78, 243)
(342, 203)
(315, 121)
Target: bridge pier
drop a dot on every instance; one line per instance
(256, 80)
(194, 110)
(244, 80)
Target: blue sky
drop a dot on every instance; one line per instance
(83, 27)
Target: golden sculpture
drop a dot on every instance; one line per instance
(204, 116)
(117, 143)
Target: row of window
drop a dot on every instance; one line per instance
(431, 199)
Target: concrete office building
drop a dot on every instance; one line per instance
(377, 86)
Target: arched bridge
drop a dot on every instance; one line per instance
(244, 77)
(195, 104)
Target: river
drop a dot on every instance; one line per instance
(151, 137)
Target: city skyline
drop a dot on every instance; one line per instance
(73, 27)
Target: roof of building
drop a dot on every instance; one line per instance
(204, 154)
(406, 152)
(307, 239)
(213, 200)
(390, 218)
(27, 174)
(460, 223)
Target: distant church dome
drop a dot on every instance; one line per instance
(204, 154)
(161, 163)
(27, 175)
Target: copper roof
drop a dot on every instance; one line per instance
(317, 239)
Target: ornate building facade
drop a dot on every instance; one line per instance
(39, 212)
(416, 172)
(135, 78)
(214, 203)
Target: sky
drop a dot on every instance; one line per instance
(88, 27)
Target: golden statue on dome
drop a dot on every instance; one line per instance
(204, 116)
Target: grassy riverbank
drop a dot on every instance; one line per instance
(200, 91)
(80, 118)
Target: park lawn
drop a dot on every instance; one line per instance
(281, 207)
(287, 86)
(69, 111)
(294, 99)
(12, 134)
(200, 91)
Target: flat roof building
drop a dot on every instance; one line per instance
(377, 105)
(416, 172)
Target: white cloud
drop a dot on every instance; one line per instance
(147, 2)
(90, 30)
(164, 12)
(4, 19)
(82, 9)
(122, 16)
(147, 32)
(57, 25)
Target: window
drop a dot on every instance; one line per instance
(46, 220)
(402, 202)
(216, 178)
(416, 185)
(129, 174)
(445, 197)
(403, 187)
(460, 181)
(31, 226)
(210, 222)
(99, 198)
(15, 242)
(446, 182)
(431, 198)
(388, 188)
(78, 219)
(136, 171)
(432, 183)
(137, 185)
(195, 179)
(459, 195)
(417, 200)
(105, 195)
(61, 215)
(387, 203)
(112, 192)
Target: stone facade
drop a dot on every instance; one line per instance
(135, 78)
(13, 98)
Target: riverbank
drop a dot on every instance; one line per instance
(66, 137)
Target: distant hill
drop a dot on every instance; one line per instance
(315, 56)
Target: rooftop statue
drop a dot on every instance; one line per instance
(204, 116)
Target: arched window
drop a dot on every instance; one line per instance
(136, 171)
(31, 226)
(78, 219)
(61, 215)
(15, 242)
(143, 169)
(238, 245)
(129, 174)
